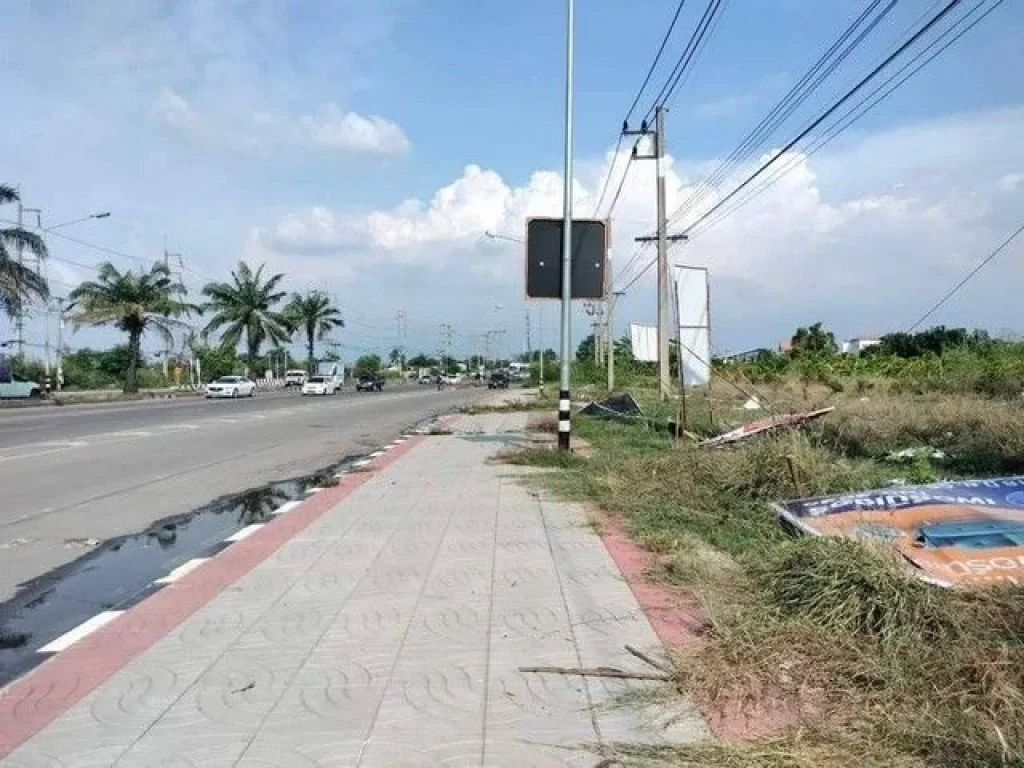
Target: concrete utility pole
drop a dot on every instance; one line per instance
(611, 338)
(565, 374)
(446, 347)
(540, 346)
(529, 346)
(19, 320)
(659, 148)
(402, 330)
(662, 239)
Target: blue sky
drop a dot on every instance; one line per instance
(365, 147)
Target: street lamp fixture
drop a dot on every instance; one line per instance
(100, 215)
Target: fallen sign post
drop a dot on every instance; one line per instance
(759, 427)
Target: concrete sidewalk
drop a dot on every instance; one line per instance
(382, 623)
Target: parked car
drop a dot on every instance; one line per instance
(318, 385)
(498, 380)
(231, 386)
(370, 382)
(295, 377)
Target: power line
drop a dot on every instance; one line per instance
(967, 279)
(828, 112)
(823, 68)
(622, 181)
(657, 58)
(869, 102)
(685, 58)
(701, 43)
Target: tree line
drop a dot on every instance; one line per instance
(250, 308)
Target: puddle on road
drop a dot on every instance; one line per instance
(120, 572)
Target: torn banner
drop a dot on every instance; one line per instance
(964, 532)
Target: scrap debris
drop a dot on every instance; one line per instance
(761, 426)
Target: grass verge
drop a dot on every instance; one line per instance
(880, 668)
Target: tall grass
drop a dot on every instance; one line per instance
(896, 671)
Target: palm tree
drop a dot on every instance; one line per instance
(19, 283)
(133, 302)
(246, 305)
(314, 314)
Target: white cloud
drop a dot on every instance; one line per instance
(373, 135)
(1011, 182)
(861, 236)
(330, 130)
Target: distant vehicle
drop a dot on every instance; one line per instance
(295, 377)
(333, 372)
(426, 379)
(370, 382)
(14, 387)
(450, 379)
(318, 385)
(231, 386)
(498, 380)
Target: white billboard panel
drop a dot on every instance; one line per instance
(694, 325)
(644, 340)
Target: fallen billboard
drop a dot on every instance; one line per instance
(962, 532)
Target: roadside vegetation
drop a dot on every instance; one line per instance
(868, 665)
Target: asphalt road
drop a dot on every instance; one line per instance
(73, 474)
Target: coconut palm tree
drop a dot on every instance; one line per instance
(246, 305)
(314, 314)
(18, 283)
(133, 302)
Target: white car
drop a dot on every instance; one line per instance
(295, 377)
(318, 385)
(231, 386)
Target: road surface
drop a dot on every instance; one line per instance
(74, 474)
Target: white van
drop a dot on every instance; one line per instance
(333, 373)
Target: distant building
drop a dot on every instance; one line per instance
(856, 346)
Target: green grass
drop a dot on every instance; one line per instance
(900, 672)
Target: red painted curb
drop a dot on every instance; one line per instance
(31, 703)
(676, 623)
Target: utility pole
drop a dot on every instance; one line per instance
(446, 347)
(60, 342)
(662, 239)
(402, 329)
(529, 346)
(540, 345)
(20, 317)
(565, 373)
(611, 338)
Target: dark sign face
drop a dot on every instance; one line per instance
(544, 258)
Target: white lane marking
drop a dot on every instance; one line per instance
(314, 489)
(288, 506)
(84, 629)
(360, 463)
(375, 454)
(249, 530)
(182, 570)
(131, 433)
(227, 420)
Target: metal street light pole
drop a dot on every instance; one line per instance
(564, 423)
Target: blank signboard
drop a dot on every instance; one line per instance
(544, 258)
(694, 324)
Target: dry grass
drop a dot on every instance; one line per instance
(891, 670)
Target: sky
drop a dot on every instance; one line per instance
(364, 149)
